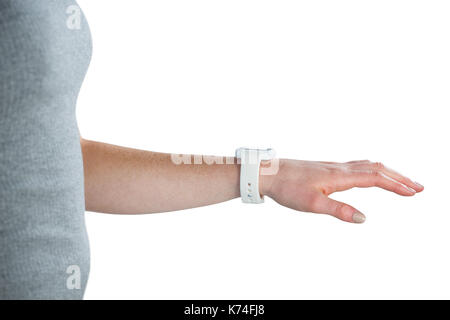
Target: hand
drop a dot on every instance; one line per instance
(306, 185)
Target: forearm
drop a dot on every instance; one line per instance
(124, 180)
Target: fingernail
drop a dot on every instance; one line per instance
(410, 189)
(418, 184)
(358, 217)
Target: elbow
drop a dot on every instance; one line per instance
(83, 142)
(87, 172)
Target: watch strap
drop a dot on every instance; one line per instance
(250, 161)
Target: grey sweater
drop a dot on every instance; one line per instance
(45, 49)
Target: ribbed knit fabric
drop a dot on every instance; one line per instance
(45, 50)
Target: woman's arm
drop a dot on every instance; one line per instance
(124, 180)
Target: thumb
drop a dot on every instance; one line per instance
(338, 209)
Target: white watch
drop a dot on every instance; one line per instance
(250, 160)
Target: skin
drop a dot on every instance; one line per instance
(129, 181)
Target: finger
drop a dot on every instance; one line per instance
(405, 180)
(337, 209)
(378, 166)
(370, 178)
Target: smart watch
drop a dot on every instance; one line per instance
(250, 161)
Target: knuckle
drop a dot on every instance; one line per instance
(339, 209)
(335, 171)
(378, 165)
(375, 174)
(375, 177)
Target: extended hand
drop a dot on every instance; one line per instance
(306, 185)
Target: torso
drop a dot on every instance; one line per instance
(43, 61)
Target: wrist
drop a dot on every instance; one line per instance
(255, 165)
(267, 176)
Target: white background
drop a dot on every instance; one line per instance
(316, 80)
